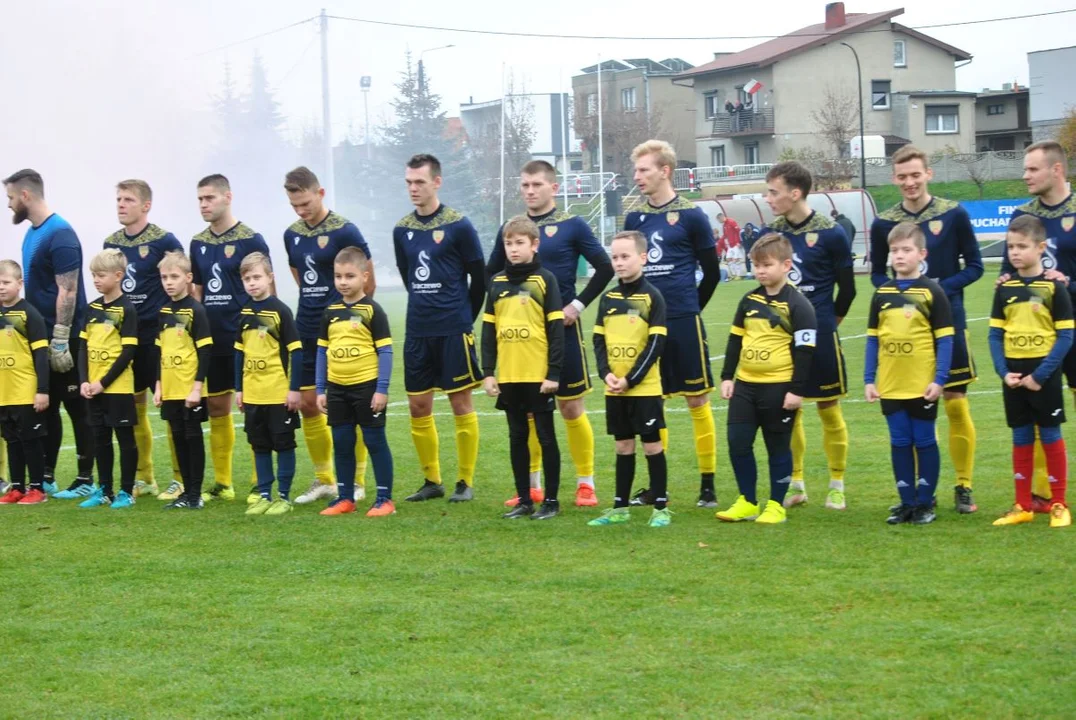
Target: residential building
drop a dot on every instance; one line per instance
(550, 115)
(1001, 119)
(908, 80)
(1053, 90)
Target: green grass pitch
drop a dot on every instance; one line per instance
(450, 611)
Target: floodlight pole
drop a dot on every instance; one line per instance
(862, 138)
(327, 180)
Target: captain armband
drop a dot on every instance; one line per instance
(805, 338)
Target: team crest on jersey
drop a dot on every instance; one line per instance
(936, 226)
(229, 250)
(673, 217)
(550, 230)
(143, 251)
(356, 323)
(323, 241)
(438, 236)
(524, 296)
(811, 239)
(410, 234)
(1067, 222)
(909, 310)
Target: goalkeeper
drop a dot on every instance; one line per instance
(52, 262)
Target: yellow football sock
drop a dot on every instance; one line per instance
(581, 448)
(799, 448)
(702, 424)
(221, 448)
(962, 438)
(1040, 479)
(177, 476)
(360, 459)
(663, 433)
(834, 441)
(424, 436)
(534, 446)
(143, 435)
(319, 444)
(467, 446)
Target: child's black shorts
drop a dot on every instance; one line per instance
(112, 410)
(1045, 407)
(919, 408)
(525, 397)
(21, 422)
(761, 405)
(270, 427)
(177, 411)
(350, 405)
(631, 415)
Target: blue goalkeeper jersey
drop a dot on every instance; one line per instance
(1060, 223)
(820, 249)
(142, 283)
(50, 249)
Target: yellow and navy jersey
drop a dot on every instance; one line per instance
(183, 331)
(215, 263)
(770, 328)
(22, 331)
(1031, 310)
(907, 322)
(630, 319)
(520, 337)
(953, 257)
(820, 249)
(267, 337)
(351, 335)
(110, 326)
(142, 283)
(1060, 223)
(311, 252)
(676, 234)
(432, 256)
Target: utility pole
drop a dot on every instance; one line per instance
(364, 84)
(327, 179)
(862, 139)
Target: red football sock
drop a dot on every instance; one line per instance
(1058, 470)
(1023, 464)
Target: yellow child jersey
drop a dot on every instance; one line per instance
(907, 322)
(267, 337)
(629, 336)
(1031, 311)
(22, 335)
(351, 335)
(184, 331)
(110, 327)
(770, 328)
(523, 326)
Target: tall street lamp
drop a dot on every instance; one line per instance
(421, 72)
(862, 139)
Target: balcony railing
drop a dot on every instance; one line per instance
(746, 122)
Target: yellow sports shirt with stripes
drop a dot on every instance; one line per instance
(771, 326)
(22, 331)
(184, 329)
(1031, 311)
(267, 337)
(628, 316)
(351, 335)
(521, 336)
(907, 323)
(110, 326)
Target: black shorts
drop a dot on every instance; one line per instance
(525, 397)
(221, 376)
(447, 362)
(176, 411)
(111, 410)
(962, 369)
(1045, 408)
(21, 422)
(144, 365)
(308, 372)
(65, 385)
(685, 363)
(761, 405)
(574, 368)
(919, 408)
(350, 405)
(270, 427)
(1069, 368)
(628, 416)
(827, 379)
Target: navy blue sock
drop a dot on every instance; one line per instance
(929, 468)
(263, 467)
(904, 472)
(741, 440)
(780, 475)
(381, 458)
(344, 438)
(285, 472)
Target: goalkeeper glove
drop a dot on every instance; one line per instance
(60, 359)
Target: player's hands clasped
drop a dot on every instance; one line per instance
(1028, 382)
(1013, 379)
(615, 384)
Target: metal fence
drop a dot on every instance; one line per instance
(690, 178)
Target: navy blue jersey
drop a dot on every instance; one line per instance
(432, 254)
(563, 239)
(311, 251)
(215, 266)
(819, 249)
(48, 250)
(142, 284)
(676, 234)
(1060, 223)
(953, 257)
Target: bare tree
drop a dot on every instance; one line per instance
(978, 169)
(622, 130)
(836, 117)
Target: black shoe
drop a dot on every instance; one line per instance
(900, 514)
(549, 509)
(707, 498)
(922, 515)
(519, 511)
(185, 503)
(641, 498)
(965, 504)
(463, 493)
(898, 506)
(428, 491)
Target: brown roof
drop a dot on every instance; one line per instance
(771, 51)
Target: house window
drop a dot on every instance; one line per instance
(995, 109)
(594, 157)
(942, 119)
(900, 58)
(592, 104)
(710, 100)
(627, 99)
(750, 154)
(880, 94)
(717, 156)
